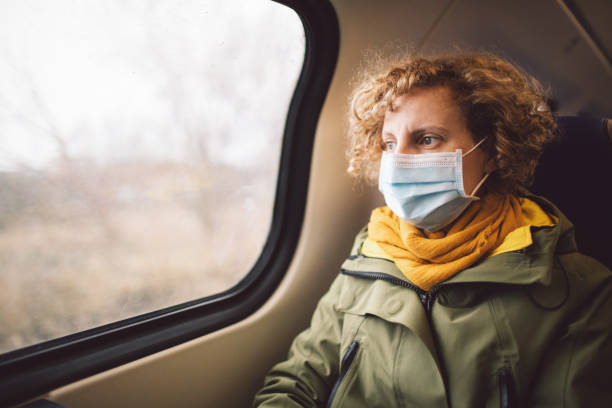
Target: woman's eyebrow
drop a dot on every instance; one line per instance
(387, 133)
(426, 129)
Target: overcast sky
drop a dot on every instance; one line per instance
(127, 79)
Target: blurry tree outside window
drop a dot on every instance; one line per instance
(139, 146)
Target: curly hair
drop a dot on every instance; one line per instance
(498, 100)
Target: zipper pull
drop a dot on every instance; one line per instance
(424, 299)
(427, 299)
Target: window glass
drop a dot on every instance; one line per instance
(139, 146)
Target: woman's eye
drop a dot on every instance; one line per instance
(429, 140)
(389, 146)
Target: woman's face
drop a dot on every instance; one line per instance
(429, 121)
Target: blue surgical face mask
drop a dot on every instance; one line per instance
(426, 190)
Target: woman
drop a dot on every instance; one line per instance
(465, 290)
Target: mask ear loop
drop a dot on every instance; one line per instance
(474, 147)
(481, 182)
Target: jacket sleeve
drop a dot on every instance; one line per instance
(575, 372)
(307, 376)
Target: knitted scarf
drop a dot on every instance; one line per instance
(427, 258)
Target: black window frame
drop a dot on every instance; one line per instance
(34, 370)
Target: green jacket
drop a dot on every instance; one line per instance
(525, 328)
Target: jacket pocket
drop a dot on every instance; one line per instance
(347, 361)
(507, 389)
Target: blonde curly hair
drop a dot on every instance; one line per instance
(498, 100)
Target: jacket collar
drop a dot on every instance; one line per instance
(527, 266)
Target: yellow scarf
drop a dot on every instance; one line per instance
(427, 258)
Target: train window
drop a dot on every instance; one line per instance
(139, 148)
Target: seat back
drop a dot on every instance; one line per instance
(575, 173)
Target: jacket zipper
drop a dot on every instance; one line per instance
(507, 392)
(347, 360)
(506, 381)
(427, 298)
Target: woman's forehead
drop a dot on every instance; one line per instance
(436, 103)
